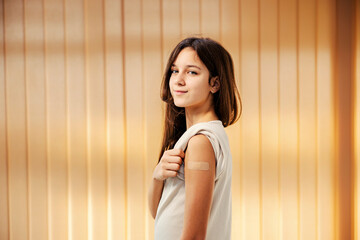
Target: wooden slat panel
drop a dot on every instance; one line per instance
(4, 207)
(97, 160)
(190, 17)
(152, 73)
(343, 107)
(288, 138)
(56, 119)
(210, 19)
(357, 124)
(35, 86)
(134, 120)
(229, 35)
(325, 121)
(16, 119)
(117, 212)
(76, 108)
(307, 121)
(99, 109)
(250, 132)
(230, 38)
(171, 27)
(269, 118)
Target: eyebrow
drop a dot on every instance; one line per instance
(188, 66)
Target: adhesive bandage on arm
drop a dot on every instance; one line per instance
(198, 165)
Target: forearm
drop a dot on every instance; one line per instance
(154, 195)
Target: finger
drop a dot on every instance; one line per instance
(170, 174)
(182, 154)
(174, 159)
(177, 152)
(173, 167)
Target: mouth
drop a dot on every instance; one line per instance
(179, 92)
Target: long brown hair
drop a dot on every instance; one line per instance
(227, 101)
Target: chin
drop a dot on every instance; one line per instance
(180, 105)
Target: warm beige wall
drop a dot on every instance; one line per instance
(81, 117)
(357, 122)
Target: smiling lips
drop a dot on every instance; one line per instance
(179, 92)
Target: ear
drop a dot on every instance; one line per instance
(214, 84)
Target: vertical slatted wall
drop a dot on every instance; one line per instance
(357, 121)
(81, 116)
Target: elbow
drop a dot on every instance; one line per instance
(200, 235)
(153, 210)
(197, 237)
(153, 213)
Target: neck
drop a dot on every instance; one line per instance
(194, 116)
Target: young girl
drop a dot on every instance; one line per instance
(190, 194)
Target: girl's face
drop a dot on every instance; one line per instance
(189, 81)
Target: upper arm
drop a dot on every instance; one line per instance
(199, 186)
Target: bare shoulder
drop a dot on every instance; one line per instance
(200, 147)
(198, 142)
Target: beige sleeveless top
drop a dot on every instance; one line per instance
(170, 213)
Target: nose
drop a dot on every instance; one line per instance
(179, 79)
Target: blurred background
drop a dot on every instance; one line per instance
(81, 118)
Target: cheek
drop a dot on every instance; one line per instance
(171, 83)
(203, 88)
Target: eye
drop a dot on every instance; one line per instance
(174, 71)
(192, 73)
